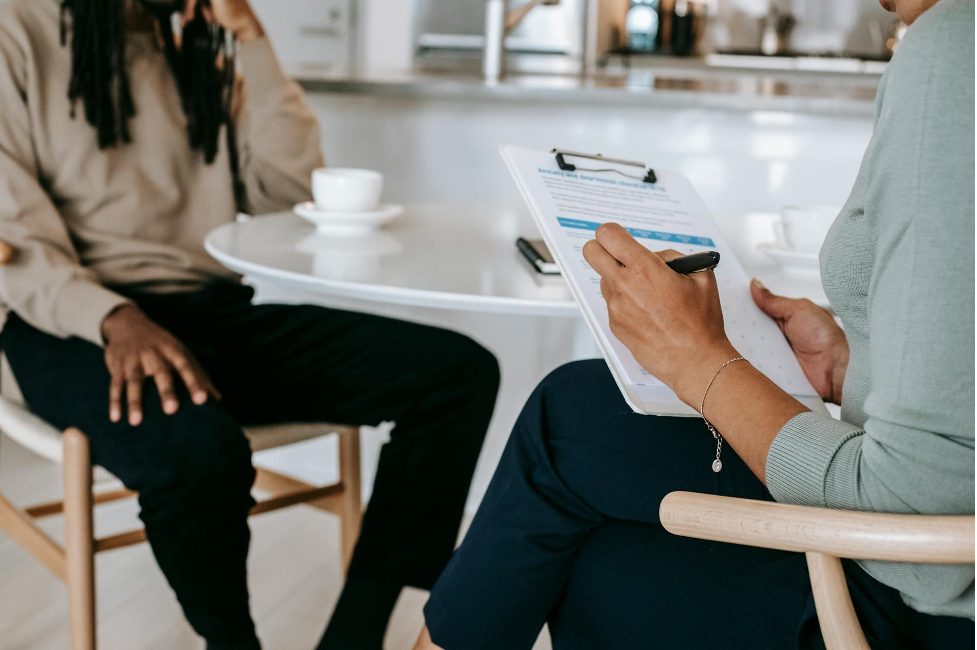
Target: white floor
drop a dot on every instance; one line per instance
(294, 574)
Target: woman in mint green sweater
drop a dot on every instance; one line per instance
(568, 532)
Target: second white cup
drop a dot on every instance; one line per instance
(346, 190)
(804, 227)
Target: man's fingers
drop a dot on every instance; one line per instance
(134, 397)
(198, 393)
(167, 396)
(115, 398)
(770, 304)
(133, 377)
(192, 375)
(156, 367)
(621, 245)
(599, 259)
(203, 379)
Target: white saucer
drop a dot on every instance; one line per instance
(791, 259)
(347, 223)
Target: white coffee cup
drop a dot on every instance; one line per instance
(346, 190)
(803, 227)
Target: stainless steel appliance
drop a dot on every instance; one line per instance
(500, 21)
(551, 34)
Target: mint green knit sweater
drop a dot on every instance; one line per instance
(898, 268)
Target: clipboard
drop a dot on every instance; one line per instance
(569, 201)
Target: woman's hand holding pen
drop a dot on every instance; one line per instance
(672, 323)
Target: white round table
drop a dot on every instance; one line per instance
(449, 256)
(446, 256)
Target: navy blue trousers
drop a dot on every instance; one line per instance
(568, 533)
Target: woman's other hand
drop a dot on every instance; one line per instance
(236, 16)
(671, 323)
(817, 340)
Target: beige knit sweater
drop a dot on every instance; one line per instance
(83, 220)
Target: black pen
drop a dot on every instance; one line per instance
(695, 262)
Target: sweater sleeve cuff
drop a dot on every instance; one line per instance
(82, 306)
(800, 457)
(263, 74)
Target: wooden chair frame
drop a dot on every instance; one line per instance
(824, 536)
(74, 563)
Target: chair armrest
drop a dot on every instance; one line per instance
(6, 252)
(839, 533)
(30, 431)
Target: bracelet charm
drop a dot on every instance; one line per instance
(717, 464)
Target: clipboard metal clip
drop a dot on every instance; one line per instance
(561, 155)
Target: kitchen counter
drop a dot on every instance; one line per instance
(688, 85)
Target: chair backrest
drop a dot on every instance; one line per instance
(824, 535)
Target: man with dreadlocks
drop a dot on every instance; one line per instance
(121, 145)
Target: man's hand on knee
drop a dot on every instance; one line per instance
(136, 348)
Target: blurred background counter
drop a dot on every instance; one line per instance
(674, 83)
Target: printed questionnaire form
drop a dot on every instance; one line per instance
(569, 206)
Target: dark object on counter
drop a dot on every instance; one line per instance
(684, 19)
(775, 29)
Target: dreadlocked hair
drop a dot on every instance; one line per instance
(98, 74)
(202, 65)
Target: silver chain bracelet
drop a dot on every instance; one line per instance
(716, 464)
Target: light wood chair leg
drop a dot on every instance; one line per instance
(836, 614)
(352, 503)
(79, 540)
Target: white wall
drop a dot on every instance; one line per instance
(447, 149)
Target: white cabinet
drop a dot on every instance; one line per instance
(313, 35)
